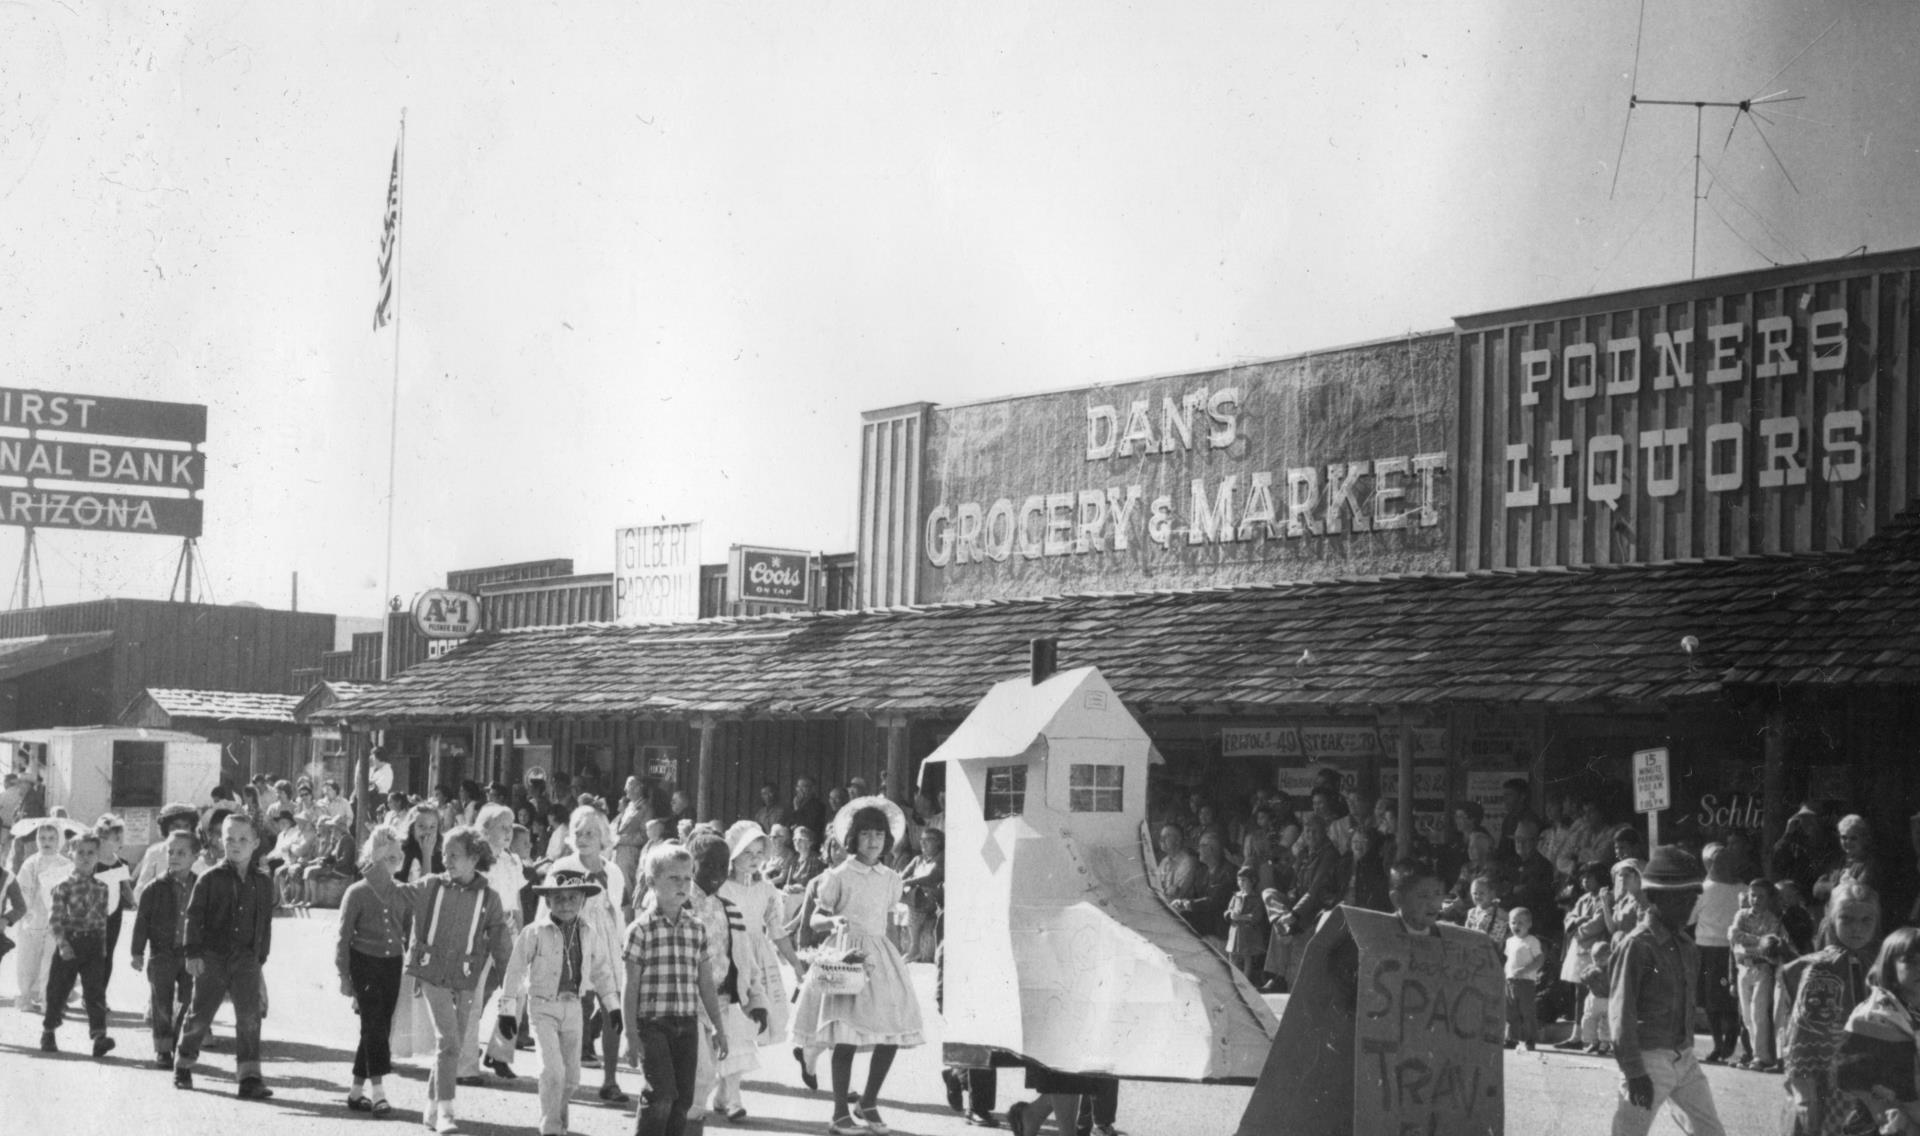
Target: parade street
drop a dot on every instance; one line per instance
(310, 1029)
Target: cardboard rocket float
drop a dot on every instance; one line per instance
(1058, 950)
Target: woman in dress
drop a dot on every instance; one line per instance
(855, 900)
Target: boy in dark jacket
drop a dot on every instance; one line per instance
(229, 932)
(160, 923)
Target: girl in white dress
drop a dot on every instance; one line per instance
(856, 899)
(764, 908)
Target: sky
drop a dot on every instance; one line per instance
(657, 258)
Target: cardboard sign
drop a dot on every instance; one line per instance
(1387, 1032)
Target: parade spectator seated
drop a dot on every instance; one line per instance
(1206, 911)
(1451, 854)
(1480, 862)
(1178, 874)
(331, 805)
(296, 851)
(325, 877)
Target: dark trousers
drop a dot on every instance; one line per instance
(169, 997)
(112, 942)
(976, 1086)
(89, 965)
(1723, 1005)
(1100, 1106)
(376, 991)
(238, 976)
(1522, 1024)
(669, 1053)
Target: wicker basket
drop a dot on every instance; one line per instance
(840, 977)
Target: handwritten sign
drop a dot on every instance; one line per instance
(1429, 1020)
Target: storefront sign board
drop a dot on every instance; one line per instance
(442, 614)
(1260, 741)
(656, 573)
(769, 575)
(1486, 787)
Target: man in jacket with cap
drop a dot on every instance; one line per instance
(1652, 990)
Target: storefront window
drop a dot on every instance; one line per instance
(1006, 791)
(1095, 788)
(139, 774)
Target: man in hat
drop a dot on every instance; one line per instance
(1650, 1006)
(554, 958)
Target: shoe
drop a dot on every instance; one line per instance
(1274, 986)
(252, 1088)
(163, 1061)
(589, 1061)
(430, 1116)
(1105, 1130)
(1017, 1118)
(500, 1069)
(736, 1115)
(358, 1104)
(183, 1078)
(1714, 1058)
(446, 1123)
(380, 1108)
(470, 1082)
(1573, 1042)
(46, 1042)
(612, 1094)
(1509, 1044)
(807, 1077)
(524, 1043)
(871, 1118)
(846, 1126)
(953, 1091)
(981, 1119)
(102, 1046)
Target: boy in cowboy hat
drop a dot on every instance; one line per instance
(554, 958)
(1650, 1004)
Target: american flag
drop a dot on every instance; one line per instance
(389, 241)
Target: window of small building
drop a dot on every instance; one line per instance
(1006, 791)
(1095, 788)
(139, 774)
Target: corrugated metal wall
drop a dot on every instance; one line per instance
(1854, 319)
(891, 445)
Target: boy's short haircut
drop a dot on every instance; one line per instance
(662, 855)
(83, 838)
(1408, 871)
(191, 837)
(243, 818)
(1518, 911)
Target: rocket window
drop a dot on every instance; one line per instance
(1095, 788)
(1006, 791)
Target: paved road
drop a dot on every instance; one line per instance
(309, 1048)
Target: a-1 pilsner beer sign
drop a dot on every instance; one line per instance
(769, 575)
(55, 474)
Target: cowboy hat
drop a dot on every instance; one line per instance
(568, 880)
(741, 836)
(896, 820)
(1671, 868)
(67, 826)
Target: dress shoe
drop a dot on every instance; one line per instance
(470, 1082)
(252, 1088)
(183, 1078)
(47, 1043)
(102, 1046)
(500, 1069)
(612, 1094)
(953, 1090)
(981, 1119)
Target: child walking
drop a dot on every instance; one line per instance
(764, 942)
(1247, 925)
(38, 875)
(375, 914)
(1525, 961)
(459, 937)
(855, 899)
(159, 944)
(669, 981)
(555, 959)
(591, 835)
(77, 930)
(229, 932)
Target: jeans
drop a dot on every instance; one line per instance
(376, 991)
(170, 997)
(1723, 1007)
(452, 1014)
(1756, 1006)
(556, 1025)
(236, 975)
(669, 1053)
(1677, 1080)
(89, 965)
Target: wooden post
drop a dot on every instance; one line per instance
(703, 770)
(899, 771)
(359, 751)
(1403, 817)
(1773, 781)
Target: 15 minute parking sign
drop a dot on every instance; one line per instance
(1652, 787)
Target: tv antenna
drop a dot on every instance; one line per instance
(1742, 108)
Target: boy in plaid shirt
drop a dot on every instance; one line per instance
(77, 925)
(669, 979)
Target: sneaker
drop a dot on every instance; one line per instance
(183, 1078)
(102, 1046)
(253, 1088)
(445, 1123)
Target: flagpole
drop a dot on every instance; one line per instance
(393, 420)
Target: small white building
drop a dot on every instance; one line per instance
(1058, 949)
(128, 771)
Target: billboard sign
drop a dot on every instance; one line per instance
(656, 573)
(769, 575)
(59, 479)
(442, 614)
(92, 414)
(100, 512)
(122, 465)
(1329, 464)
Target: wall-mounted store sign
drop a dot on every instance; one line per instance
(656, 573)
(1333, 463)
(442, 614)
(57, 477)
(1754, 413)
(769, 575)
